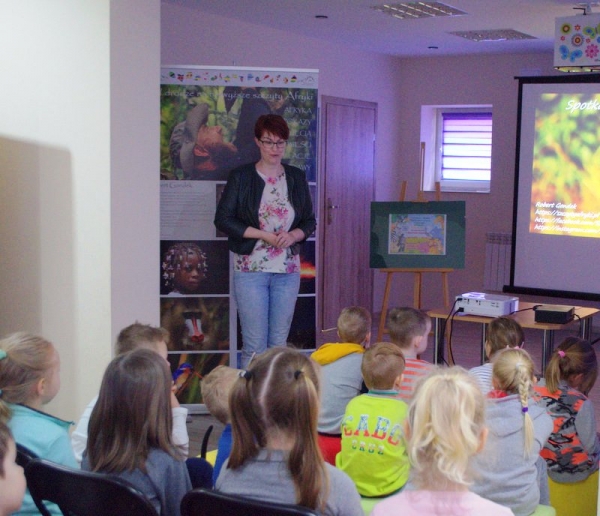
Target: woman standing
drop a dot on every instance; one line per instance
(266, 211)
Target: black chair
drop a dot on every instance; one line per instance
(204, 447)
(82, 493)
(206, 502)
(24, 455)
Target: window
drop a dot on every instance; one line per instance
(458, 147)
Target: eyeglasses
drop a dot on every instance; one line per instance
(269, 144)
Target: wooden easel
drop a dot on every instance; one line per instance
(418, 272)
(416, 291)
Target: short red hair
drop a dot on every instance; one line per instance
(274, 124)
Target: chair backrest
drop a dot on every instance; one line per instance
(24, 455)
(206, 502)
(82, 493)
(204, 447)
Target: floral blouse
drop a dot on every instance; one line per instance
(275, 213)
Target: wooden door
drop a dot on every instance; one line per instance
(347, 189)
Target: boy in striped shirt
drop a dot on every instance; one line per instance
(409, 329)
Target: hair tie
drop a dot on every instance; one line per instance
(246, 375)
(3, 354)
(297, 373)
(561, 353)
(525, 410)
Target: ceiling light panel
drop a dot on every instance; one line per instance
(492, 35)
(415, 10)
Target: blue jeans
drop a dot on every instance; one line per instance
(265, 303)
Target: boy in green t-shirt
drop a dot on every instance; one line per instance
(373, 451)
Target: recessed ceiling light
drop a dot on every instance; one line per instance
(414, 10)
(492, 35)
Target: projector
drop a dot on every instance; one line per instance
(487, 305)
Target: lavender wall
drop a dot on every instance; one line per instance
(488, 79)
(400, 87)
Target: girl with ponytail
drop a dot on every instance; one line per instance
(510, 469)
(275, 457)
(573, 450)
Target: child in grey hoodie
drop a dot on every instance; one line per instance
(510, 470)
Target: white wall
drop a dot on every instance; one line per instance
(69, 237)
(134, 130)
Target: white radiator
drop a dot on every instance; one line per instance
(497, 261)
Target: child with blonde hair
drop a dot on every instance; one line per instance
(12, 478)
(445, 428)
(373, 452)
(216, 387)
(275, 456)
(573, 449)
(502, 333)
(29, 379)
(130, 430)
(509, 470)
(341, 376)
(409, 329)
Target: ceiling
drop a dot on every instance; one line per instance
(354, 23)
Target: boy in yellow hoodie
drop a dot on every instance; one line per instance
(341, 377)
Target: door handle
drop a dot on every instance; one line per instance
(330, 206)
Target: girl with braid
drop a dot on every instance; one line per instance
(275, 457)
(510, 470)
(573, 450)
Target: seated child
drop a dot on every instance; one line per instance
(340, 375)
(373, 452)
(445, 428)
(275, 457)
(216, 387)
(12, 478)
(509, 469)
(130, 430)
(143, 336)
(29, 379)
(573, 449)
(502, 333)
(409, 329)
(136, 336)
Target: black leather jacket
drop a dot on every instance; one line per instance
(239, 204)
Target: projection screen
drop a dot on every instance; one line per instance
(556, 217)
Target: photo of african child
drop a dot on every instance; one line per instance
(194, 268)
